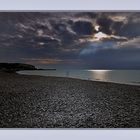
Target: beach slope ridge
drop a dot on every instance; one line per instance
(53, 102)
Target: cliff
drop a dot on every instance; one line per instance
(12, 67)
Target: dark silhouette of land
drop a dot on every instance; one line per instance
(13, 67)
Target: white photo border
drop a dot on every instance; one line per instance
(69, 5)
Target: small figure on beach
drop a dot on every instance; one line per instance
(67, 74)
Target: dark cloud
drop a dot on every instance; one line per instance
(45, 40)
(121, 24)
(92, 15)
(105, 24)
(83, 27)
(128, 30)
(117, 27)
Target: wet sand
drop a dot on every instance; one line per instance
(52, 102)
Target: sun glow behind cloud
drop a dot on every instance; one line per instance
(100, 36)
(97, 27)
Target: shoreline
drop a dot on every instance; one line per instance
(53, 102)
(132, 83)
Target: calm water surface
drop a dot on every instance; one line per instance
(118, 76)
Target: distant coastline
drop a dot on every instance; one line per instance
(46, 69)
(13, 67)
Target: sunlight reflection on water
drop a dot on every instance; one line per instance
(118, 76)
(99, 74)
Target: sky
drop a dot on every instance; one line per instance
(71, 40)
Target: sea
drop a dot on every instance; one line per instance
(116, 76)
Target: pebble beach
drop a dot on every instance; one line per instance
(55, 102)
